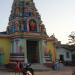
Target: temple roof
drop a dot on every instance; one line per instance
(24, 17)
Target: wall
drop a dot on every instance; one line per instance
(5, 46)
(52, 49)
(62, 51)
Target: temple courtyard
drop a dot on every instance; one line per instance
(66, 71)
(41, 73)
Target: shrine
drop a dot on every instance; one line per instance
(26, 39)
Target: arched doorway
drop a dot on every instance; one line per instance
(32, 51)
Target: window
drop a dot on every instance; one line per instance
(67, 55)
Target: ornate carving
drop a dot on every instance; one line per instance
(32, 25)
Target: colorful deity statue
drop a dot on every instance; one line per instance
(42, 27)
(17, 11)
(17, 23)
(22, 24)
(32, 25)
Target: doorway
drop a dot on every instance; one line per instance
(62, 58)
(32, 51)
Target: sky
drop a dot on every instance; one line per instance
(58, 16)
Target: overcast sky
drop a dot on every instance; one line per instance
(58, 16)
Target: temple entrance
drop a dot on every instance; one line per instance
(32, 51)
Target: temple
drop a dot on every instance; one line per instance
(26, 39)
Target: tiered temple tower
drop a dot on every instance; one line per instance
(28, 34)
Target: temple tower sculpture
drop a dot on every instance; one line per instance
(28, 34)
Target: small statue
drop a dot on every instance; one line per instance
(32, 25)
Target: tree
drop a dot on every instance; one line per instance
(72, 38)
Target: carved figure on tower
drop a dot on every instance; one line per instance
(32, 25)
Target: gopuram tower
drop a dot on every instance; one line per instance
(28, 34)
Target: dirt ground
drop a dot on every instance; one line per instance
(54, 73)
(42, 73)
(66, 71)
